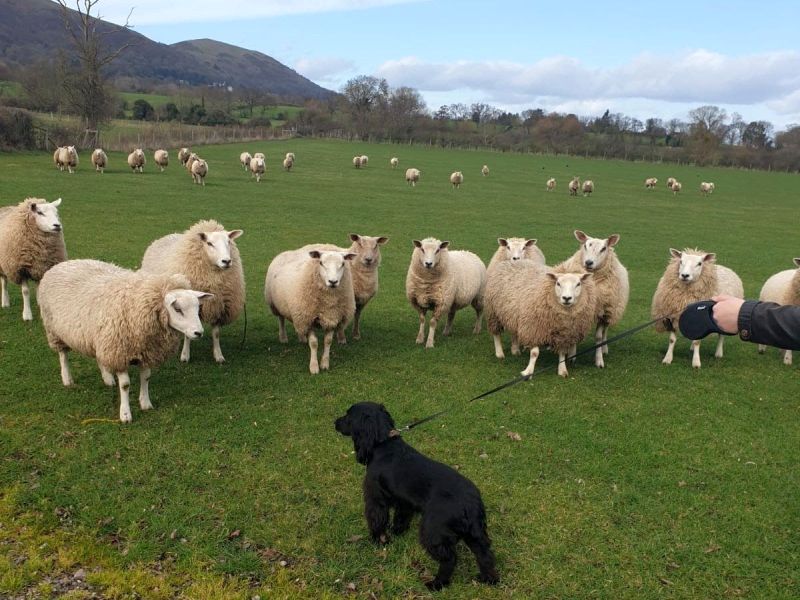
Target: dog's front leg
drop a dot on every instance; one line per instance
(403, 513)
(376, 511)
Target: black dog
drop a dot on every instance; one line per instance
(399, 477)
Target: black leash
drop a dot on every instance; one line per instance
(522, 378)
(244, 332)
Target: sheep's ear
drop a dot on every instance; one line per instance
(797, 261)
(383, 239)
(710, 257)
(444, 245)
(580, 236)
(585, 276)
(202, 297)
(354, 237)
(552, 275)
(33, 206)
(613, 239)
(417, 244)
(56, 202)
(530, 242)
(315, 254)
(675, 253)
(503, 242)
(349, 256)
(202, 236)
(232, 235)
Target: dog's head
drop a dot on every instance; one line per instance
(368, 424)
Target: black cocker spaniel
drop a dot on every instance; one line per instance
(401, 478)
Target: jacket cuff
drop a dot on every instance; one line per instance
(745, 318)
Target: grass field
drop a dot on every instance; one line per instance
(637, 481)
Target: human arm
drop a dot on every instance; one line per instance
(759, 322)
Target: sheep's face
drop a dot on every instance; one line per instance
(516, 248)
(260, 155)
(691, 264)
(183, 309)
(258, 162)
(45, 214)
(430, 251)
(217, 245)
(72, 151)
(595, 251)
(331, 266)
(568, 286)
(368, 248)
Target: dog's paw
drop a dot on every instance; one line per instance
(381, 539)
(435, 584)
(488, 578)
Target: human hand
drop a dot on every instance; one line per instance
(726, 312)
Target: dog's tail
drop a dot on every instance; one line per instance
(477, 525)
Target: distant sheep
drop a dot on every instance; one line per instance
(783, 288)
(161, 158)
(31, 242)
(244, 159)
(364, 160)
(456, 179)
(257, 168)
(66, 157)
(183, 155)
(357, 162)
(260, 155)
(485, 170)
(588, 187)
(706, 188)
(443, 282)
(670, 181)
(394, 161)
(288, 163)
(119, 318)
(515, 249)
(136, 160)
(190, 161)
(551, 184)
(412, 176)
(99, 160)
(690, 276)
(676, 187)
(290, 156)
(574, 186)
(199, 171)
(650, 183)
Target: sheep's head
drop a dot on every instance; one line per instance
(259, 162)
(217, 245)
(430, 251)
(567, 286)
(516, 248)
(595, 251)
(690, 264)
(331, 265)
(183, 311)
(369, 248)
(45, 215)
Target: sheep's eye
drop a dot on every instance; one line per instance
(602, 250)
(210, 244)
(178, 310)
(38, 212)
(578, 284)
(700, 264)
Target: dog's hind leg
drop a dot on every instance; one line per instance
(403, 513)
(441, 545)
(481, 548)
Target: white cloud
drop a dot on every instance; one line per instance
(324, 70)
(156, 12)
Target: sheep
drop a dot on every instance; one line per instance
(676, 187)
(207, 254)
(288, 163)
(118, 317)
(260, 155)
(257, 168)
(363, 270)
(199, 171)
(444, 282)
(161, 158)
(394, 161)
(670, 181)
(612, 289)
(56, 162)
(357, 162)
(690, 276)
(456, 178)
(190, 160)
(650, 183)
(412, 176)
(588, 187)
(515, 249)
(551, 184)
(574, 186)
(485, 170)
(783, 288)
(99, 160)
(706, 188)
(183, 155)
(290, 156)
(364, 160)
(66, 157)
(539, 307)
(311, 289)
(136, 160)
(245, 159)
(31, 242)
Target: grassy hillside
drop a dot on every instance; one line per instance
(637, 481)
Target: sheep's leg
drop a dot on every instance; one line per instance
(498, 346)
(478, 314)
(720, 342)
(215, 340)
(787, 357)
(124, 397)
(670, 348)
(108, 376)
(448, 326)
(761, 347)
(432, 329)
(514, 346)
(282, 330)
(532, 362)
(144, 389)
(599, 334)
(313, 364)
(605, 339)
(562, 364)
(696, 354)
(341, 336)
(421, 333)
(185, 353)
(326, 350)
(572, 351)
(5, 301)
(357, 322)
(66, 376)
(27, 315)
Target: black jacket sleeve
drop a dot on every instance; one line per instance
(771, 324)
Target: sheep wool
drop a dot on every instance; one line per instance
(515, 248)
(782, 288)
(26, 252)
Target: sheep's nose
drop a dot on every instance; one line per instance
(684, 276)
(57, 227)
(333, 282)
(515, 258)
(566, 299)
(589, 263)
(197, 334)
(368, 260)
(226, 262)
(428, 264)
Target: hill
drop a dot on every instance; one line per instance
(32, 31)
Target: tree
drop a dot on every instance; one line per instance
(757, 135)
(654, 129)
(43, 84)
(365, 96)
(404, 106)
(143, 110)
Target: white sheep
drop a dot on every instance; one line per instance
(551, 184)
(394, 161)
(443, 282)
(514, 249)
(290, 156)
(257, 168)
(245, 159)
(66, 157)
(199, 171)
(412, 176)
(260, 155)
(183, 155)
(357, 162)
(288, 163)
(311, 289)
(136, 160)
(676, 187)
(574, 186)
(706, 188)
(207, 254)
(161, 158)
(99, 160)
(612, 289)
(588, 187)
(650, 183)
(783, 288)
(690, 276)
(539, 307)
(364, 160)
(56, 162)
(670, 181)
(31, 242)
(190, 160)
(485, 170)
(456, 179)
(118, 317)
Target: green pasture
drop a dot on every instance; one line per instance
(637, 481)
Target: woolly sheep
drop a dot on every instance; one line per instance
(444, 282)
(706, 188)
(245, 159)
(598, 257)
(66, 157)
(161, 158)
(551, 184)
(288, 163)
(136, 160)
(650, 183)
(206, 253)
(539, 307)
(357, 162)
(120, 318)
(394, 161)
(31, 242)
(412, 176)
(588, 187)
(676, 187)
(183, 155)
(456, 178)
(56, 153)
(199, 171)
(574, 186)
(99, 160)
(190, 160)
(690, 276)
(364, 160)
(311, 289)
(257, 168)
(670, 181)
(783, 288)
(290, 156)
(260, 155)
(515, 249)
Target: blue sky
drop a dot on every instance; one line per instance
(641, 58)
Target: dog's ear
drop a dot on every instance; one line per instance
(371, 428)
